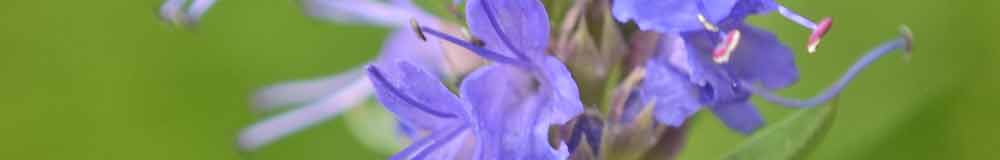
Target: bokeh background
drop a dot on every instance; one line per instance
(107, 80)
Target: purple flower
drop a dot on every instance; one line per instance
(422, 103)
(692, 15)
(708, 56)
(326, 97)
(683, 77)
(511, 103)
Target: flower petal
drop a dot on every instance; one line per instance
(404, 45)
(715, 83)
(198, 9)
(760, 57)
(671, 15)
(274, 128)
(563, 94)
(740, 116)
(674, 97)
(446, 143)
(744, 8)
(305, 91)
(480, 88)
(417, 98)
(365, 12)
(521, 26)
(511, 118)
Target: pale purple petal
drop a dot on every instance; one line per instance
(366, 12)
(671, 15)
(183, 13)
(198, 9)
(674, 97)
(511, 119)
(480, 88)
(740, 116)
(306, 91)
(524, 24)
(404, 45)
(415, 97)
(563, 94)
(171, 9)
(274, 128)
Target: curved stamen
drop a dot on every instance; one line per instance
(503, 36)
(483, 52)
(725, 49)
(819, 30)
(835, 89)
(378, 76)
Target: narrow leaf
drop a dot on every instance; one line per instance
(792, 138)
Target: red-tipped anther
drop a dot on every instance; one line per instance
(724, 50)
(821, 28)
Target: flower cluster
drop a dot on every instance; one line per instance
(529, 101)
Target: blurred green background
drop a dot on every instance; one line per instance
(107, 80)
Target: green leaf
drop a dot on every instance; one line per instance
(792, 138)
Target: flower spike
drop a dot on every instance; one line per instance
(899, 43)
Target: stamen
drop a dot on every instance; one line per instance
(819, 30)
(832, 91)
(725, 49)
(416, 28)
(795, 17)
(503, 36)
(377, 75)
(908, 37)
(483, 52)
(708, 25)
(818, 33)
(704, 21)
